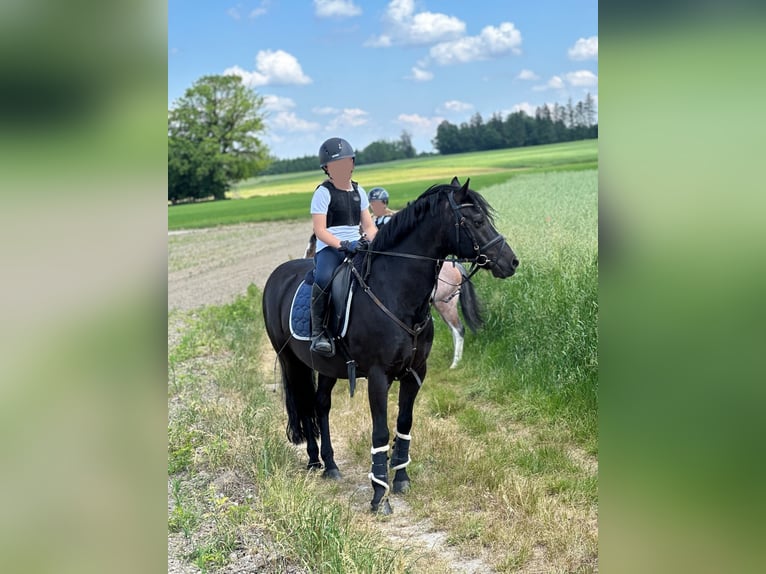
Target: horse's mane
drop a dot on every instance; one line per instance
(403, 222)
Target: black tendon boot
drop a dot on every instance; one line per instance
(400, 458)
(379, 478)
(320, 343)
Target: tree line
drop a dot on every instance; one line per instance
(376, 152)
(213, 137)
(551, 124)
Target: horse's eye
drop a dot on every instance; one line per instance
(478, 223)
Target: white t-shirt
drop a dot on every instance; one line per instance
(320, 203)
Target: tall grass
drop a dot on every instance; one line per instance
(541, 360)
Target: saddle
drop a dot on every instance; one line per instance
(338, 309)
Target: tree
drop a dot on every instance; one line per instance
(447, 138)
(515, 129)
(213, 138)
(404, 146)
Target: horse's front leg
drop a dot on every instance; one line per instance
(323, 404)
(377, 390)
(400, 457)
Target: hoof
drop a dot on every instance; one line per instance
(383, 508)
(331, 474)
(401, 487)
(314, 466)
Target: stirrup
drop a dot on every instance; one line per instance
(323, 341)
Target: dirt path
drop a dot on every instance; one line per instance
(213, 267)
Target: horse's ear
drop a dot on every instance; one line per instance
(462, 193)
(455, 182)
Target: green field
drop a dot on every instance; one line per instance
(281, 197)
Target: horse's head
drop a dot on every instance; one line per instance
(475, 235)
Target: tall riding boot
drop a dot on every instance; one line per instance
(320, 343)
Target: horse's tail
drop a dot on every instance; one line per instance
(299, 391)
(471, 307)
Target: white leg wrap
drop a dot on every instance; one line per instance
(380, 482)
(401, 436)
(371, 476)
(403, 465)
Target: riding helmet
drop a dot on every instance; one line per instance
(334, 149)
(380, 194)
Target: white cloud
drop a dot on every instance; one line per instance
(527, 75)
(289, 122)
(455, 106)
(420, 124)
(348, 117)
(382, 41)
(491, 42)
(555, 83)
(326, 110)
(274, 103)
(272, 68)
(279, 117)
(400, 10)
(336, 8)
(420, 75)
(525, 107)
(584, 49)
(404, 26)
(582, 79)
(236, 11)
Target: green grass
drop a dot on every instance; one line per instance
(541, 360)
(287, 196)
(223, 420)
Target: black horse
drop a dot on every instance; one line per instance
(389, 331)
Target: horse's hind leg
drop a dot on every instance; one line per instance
(323, 404)
(400, 456)
(300, 398)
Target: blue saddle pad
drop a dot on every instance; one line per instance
(300, 313)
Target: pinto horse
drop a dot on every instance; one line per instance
(445, 299)
(389, 331)
(452, 288)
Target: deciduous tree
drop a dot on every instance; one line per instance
(213, 138)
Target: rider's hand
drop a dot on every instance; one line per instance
(348, 247)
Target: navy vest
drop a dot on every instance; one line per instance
(345, 206)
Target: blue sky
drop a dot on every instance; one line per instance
(367, 70)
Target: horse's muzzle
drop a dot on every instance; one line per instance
(506, 262)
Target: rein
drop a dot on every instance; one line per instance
(477, 262)
(414, 331)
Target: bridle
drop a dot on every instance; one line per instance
(478, 261)
(480, 258)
